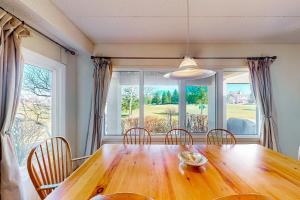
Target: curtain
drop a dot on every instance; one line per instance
(11, 72)
(102, 76)
(261, 84)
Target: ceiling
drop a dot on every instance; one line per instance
(147, 21)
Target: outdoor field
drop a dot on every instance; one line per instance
(233, 110)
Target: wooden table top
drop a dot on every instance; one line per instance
(154, 170)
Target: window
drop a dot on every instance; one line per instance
(240, 106)
(122, 110)
(161, 100)
(200, 105)
(196, 108)
(147, 99)
(36, 118)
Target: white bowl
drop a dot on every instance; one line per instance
(192, 158)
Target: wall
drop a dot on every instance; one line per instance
(84, 89)
(284, 73)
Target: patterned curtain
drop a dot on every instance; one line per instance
(102, 76)
(261, 83)
(11, 72)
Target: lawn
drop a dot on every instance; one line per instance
(241, 111)
(233, 110)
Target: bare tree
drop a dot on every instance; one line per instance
(33, 117)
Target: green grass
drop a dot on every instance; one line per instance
(241, 111)
(194, 109)
(155, 110)
(233, 110)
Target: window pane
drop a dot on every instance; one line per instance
(122, 111)
(161, 99)
(200, 105)
(240, 103)
(33, 119)
(197, 108)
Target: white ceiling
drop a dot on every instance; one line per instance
(146, 21)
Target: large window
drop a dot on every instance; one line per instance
(33, 119)
(147, 99)
(36, 118)
(200, 105)
(240, 106)
(161, 100)
(122, 110)
(197, 108)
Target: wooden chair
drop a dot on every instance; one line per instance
(245, 197)
(179, 136)
(121, 196)
(49, 164)
(137, 136)
(220, 136)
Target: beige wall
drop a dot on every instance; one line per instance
(285, 74)
(84, 87)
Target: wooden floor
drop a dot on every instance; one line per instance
(155, 171)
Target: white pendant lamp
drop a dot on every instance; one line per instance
(188, 68)
(187, 63)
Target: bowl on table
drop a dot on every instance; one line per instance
(192, 158)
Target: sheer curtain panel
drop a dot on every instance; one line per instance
(11, 71)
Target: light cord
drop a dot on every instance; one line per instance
(187, 27)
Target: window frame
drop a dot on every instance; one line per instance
(58, 88)
(219, 105)
(57, 92)
(223, 110)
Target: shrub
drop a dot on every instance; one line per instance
(153, 124)
(129, 122)
(197, 123)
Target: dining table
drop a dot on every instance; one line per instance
(155, 171)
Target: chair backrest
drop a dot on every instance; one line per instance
(178, 136)
(245, 197)
(220, 136)
(121, 196)
(49, 163)
(137, 136)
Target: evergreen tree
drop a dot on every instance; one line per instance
(175, 97)
(164, 98)
(169, 96)
(156, 99)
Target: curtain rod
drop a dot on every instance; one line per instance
(39, 32)
(199, 58)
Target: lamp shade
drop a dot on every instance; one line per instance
(190, 74)
(187, 63)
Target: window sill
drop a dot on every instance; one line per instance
(198, 139)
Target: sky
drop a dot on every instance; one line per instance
(242, 87)
(245, 88)
(163, 87)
